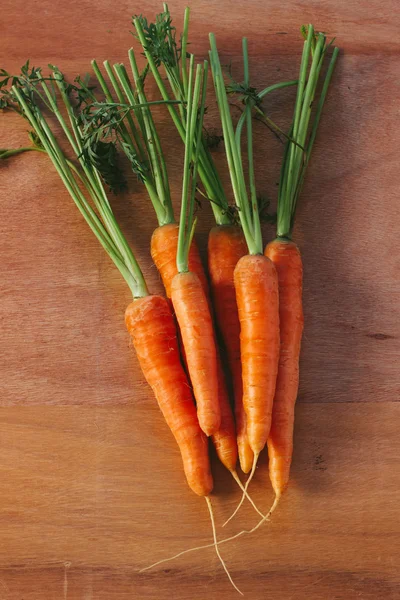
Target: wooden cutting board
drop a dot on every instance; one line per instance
(92, 488)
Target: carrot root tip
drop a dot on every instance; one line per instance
(244, 495)
(210, 509)
(249, 498)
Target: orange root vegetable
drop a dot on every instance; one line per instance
(151, 325)
(256, 285)
(226, 245)
(287, 260)
(164, 243)
(285, 255)
(224, 439)
(195, 323)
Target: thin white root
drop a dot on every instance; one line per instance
(253, 470)
(249, 498)
(229, 539)
(267, 516)
(210, 510)
(159, 562)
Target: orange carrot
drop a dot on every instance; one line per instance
(286, 257)
(151, 324)
(256, 287)
(226, 245)
(164, 244)
(193, 315)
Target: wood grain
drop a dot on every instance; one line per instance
(92, 487)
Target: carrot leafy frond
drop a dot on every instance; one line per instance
(194, 124)
(34, 96)
(246, 200)
(163, 50)
(304, 127)
(124, 118)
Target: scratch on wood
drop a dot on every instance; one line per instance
(67, 565)
(380, 336)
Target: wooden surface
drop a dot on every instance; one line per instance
(91, 482)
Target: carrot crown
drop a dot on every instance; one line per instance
(304, 129)
(193, 130)
(28, 93)
(160, 47)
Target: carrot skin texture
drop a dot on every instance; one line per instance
(224, 439)
(287, 260)
(256, 285)
(151, 325)
(226, 246)
(164, 244)
(195, 323)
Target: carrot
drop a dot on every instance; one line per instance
(255, 278)
(151, 325)
(194, 319)
(285, 255)
(256, 287)
(153, 38)
(149, 318)
(164, 245)
(226, 245)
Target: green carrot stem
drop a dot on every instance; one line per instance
(208, 175)
(99, 195)
(302, 134)
(185, 35)
(248, 213)
(156, 154)
(49, 143)
(138, 149)
(194, 123)
(8, 152)
(256, 226)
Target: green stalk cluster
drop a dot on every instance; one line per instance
(304, 127)
(28, 95)
(194, 125)
(160, 48)
(244, 191)
(138, 135)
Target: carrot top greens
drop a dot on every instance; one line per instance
(304, 129)
(161, 48)
(193, 127)
(128, 121)
(32, 95)
(244, 190)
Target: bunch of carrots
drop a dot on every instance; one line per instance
(251, 296)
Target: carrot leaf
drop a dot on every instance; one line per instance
(193, 127)
(304, 127)
(33, 95)
(163, 50)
